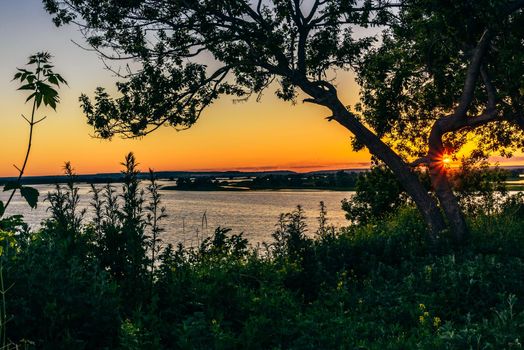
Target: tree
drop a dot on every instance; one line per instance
(247, 46)
(438, 79)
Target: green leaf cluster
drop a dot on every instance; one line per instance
(40, 82)
(30, 194)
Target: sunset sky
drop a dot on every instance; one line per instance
(267, 135)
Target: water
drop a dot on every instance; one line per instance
(254, 213)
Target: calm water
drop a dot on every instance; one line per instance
(253, 212)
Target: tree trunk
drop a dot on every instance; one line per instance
(440, 182)
(410, 182)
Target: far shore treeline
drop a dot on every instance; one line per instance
(335, 180)
(347, 176)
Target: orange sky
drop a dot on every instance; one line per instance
(268, 135)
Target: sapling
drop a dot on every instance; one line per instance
(41, 84)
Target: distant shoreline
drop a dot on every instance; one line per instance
(343, 180)
(166, 175)
(243, 189)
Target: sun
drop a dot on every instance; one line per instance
(446, 160)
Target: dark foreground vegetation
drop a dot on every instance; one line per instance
(108, 284)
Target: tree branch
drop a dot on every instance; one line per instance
(490, 89)
(472, 75)
(420, 161)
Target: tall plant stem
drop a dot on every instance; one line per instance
(22, 169)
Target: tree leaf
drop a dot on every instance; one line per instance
(53, 80)
(30, 194)
(29, 86)
(62, 80)
(30, 96)
(52, 103)
(38, 100)
(11, 186)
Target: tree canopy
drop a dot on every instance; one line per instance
(418, 75)
(419, 79)
(438, 81)
(191, 52)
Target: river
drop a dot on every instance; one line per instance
(195, 214)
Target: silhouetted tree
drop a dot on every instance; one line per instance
(447, 71)
(247, 46)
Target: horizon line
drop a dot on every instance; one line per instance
(233, 170)
(261, 169)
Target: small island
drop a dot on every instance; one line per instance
(335, 181)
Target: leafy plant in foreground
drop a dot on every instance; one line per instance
(41, 84)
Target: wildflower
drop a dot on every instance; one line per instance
(428, 270)
(422, 307)
(436, 322)
(421, 319)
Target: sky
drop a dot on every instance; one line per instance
(266, 135)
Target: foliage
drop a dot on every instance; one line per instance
(437, 83)
(423, 66)
(80, 279)
(40, 81)
(341, 180)
(418, 74)
(79, 283)
(251, 46)
(377, 194)
(479, 188)
(41, 84)
(57, 281)
(338, 180)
